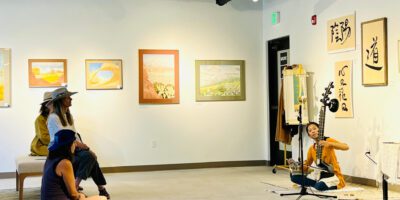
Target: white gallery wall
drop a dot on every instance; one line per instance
(112, 122)
(376, 109)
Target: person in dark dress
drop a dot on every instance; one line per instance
(58, 181)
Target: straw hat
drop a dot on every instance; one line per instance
(60, 93)
(46, 97)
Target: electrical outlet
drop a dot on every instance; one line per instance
(153, 144)
(367, 151)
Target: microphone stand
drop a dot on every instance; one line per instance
(303, 190)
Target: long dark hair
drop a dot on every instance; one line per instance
(44, 111)
(58, 105)
(63, 152)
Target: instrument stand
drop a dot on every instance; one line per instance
(303, 190)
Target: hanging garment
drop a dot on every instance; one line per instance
(282, 134)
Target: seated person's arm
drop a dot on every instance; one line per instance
(66, 171)
(334, 144)
(43, 132)
(81, 145)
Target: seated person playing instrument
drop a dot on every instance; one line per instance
(329, 145)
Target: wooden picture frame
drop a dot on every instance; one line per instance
(104, 74)
(220, 80)
(47, 72)
(374, 52)
(158, 76)
(5, 77)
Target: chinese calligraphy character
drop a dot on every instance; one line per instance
(373, 51)
(340, 32)
(344, 107)
(342, 94)
(341, 72)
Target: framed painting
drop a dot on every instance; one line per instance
(343, 88)
(220, 80)
(5, 77)
(103, 74)
(158, 76)
(341, 34)
(47, 72)
(374, 52)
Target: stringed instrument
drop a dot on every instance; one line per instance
(326, 170)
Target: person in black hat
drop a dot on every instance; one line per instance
(85, 161)
(58, 174)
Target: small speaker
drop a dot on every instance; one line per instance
(222, 2)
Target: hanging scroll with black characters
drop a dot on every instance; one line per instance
(341, 34)
(343, 91)
(374, 52)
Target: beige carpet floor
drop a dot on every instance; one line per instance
(238, 183)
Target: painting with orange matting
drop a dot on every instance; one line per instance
(47, 72)
(159, 76)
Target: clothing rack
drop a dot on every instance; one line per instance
(285, 166)
(299, 68)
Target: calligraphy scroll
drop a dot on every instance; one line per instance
(341, 34)
(374, 52)
(343, 91)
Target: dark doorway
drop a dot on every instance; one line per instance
(274, 78)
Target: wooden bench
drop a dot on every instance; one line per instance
(27, 166)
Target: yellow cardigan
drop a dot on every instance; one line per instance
(42, 138)
(329, 157)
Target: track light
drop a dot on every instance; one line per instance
(222, 2)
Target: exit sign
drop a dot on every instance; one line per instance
(275, 18)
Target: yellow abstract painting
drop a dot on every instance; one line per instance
(103, 74)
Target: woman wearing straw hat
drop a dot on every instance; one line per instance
(58, 177)
(42, 138)
(85, 161)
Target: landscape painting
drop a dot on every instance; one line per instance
(103, 74)
(158, 76)
(220, 80)
(47, 72)
(5, 68)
